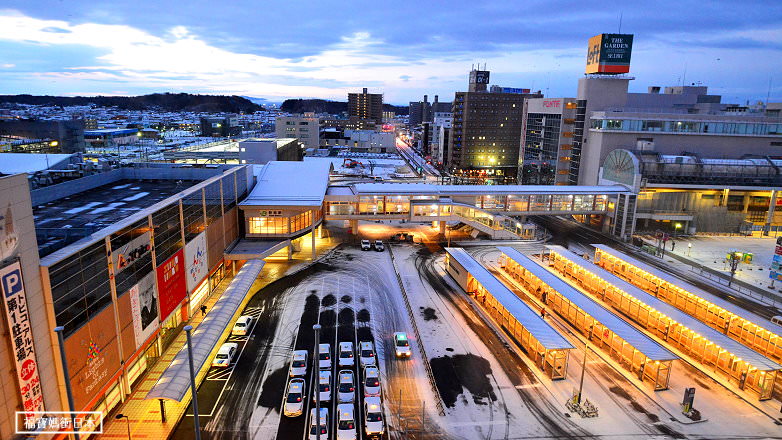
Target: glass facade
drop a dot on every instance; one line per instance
(229, 192)
(193, 215)
(683, 126)
(214, 202)
(168, 233)
(139, 267)
(282, 225)
(80, 287)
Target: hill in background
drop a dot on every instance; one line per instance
(157, 101)
(333, 107)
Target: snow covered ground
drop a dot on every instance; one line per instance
(387, 168)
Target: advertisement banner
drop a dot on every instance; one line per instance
(609, 53)
(143, 306)
(93, 357)
(125, 255)
(195, 261)
(21, 337)
(171, 283)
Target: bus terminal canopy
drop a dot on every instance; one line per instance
(174, 383)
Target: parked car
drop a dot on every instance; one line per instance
(321, 423)
(346, 423)
(324, 356)
(346, 390)
(346, 358)
(367, 353)
(401, 345)
(379, 246)
(242, 325)
(225, 355)
(373, 416)
(294, 399)
(324, 386)
(365, 246)
(371, 382)
(299, 363)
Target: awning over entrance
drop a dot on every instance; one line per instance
(255, 249)
(174, 383)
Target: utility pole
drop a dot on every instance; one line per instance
(316, 327)
(188, 329)
(734, 260)
(583, 369)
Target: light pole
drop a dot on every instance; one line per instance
(194, 392)
(68, 391)
(676, 228)
(689, 248)
(733, 258)
(123, 416)
(583, 369)
(317, 327)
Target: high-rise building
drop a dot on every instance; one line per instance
(547, 141)
(486, 135)
(32, 135)
(441, 131)
(305, 128)
(423, 111)
(365, 109)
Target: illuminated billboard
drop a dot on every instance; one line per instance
(609, 53)
(171, 283)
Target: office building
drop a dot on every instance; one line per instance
(305, 128)
(261, 151)
(486, 134)
(220, 126)
(365, 110)
(423, 111)
(547, 141)
(441, 132)
(42, 136)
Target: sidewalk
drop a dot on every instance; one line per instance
(144, 415)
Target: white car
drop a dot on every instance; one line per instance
(367, 353)
(294, 400)
(225, 355)
(324, 386)
(371, 382)
(324, 424)
(324, 357)
(365, 246)
(242, 325)
(346, 422)
(346, 390)
(346, 354)
(379, 246)
(401, 345)
(373, 416)
(299, 363)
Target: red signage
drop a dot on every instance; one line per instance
(171, 283)
(551, 102)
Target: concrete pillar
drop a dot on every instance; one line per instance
(746, 203)
(312, 233)
(725, 194)
(772, 204)
(290, 250)
(442, 227)
(354, 227)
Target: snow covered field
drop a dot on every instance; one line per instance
(387, 168)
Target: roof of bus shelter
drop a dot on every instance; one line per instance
(684, 285)
(481, 190)
(174, 383)
(289, 183)
(608, 319)
(544, 333)
(752, 357)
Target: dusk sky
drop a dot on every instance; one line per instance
(280, 49)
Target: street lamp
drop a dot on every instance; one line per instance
(734, 258)
(689, 248)
(64, 360)
(316, 359)
(676, 228)
(123, 416)
(194, 392)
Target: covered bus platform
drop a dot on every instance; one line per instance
(742, 325)
(537, 338)
(635, 351)
(738, 364)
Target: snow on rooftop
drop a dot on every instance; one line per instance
(282, 183)
(419, 188)
(15, 163)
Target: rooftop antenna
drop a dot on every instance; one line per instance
(620, 22)
(768, 94)
(684, 76)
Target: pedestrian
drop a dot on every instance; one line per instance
(543, 313)
(673, 245)
(203, 310)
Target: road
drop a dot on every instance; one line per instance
(414, 159)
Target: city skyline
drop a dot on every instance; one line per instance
(406, 51)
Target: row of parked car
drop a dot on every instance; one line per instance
(377, 245)
(346, 390)
(227, 352)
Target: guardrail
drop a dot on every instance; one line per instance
(438, 402)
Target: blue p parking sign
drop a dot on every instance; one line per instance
(12, 282)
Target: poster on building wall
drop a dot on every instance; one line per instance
(9, 239)
(143, 306)
(171, 283)
(196, 266)
(21, 337)
(127, 254)
(93, 357)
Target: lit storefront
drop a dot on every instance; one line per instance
(548, 350)
(741, 366)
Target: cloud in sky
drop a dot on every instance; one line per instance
(325, 49)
